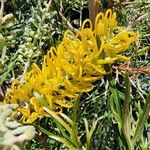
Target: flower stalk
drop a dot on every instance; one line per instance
(74, 126)
(126, 113)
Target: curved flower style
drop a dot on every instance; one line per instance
(71, 68)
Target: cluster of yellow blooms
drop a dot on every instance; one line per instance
(71, 68)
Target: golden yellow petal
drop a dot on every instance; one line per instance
(64, 103)
(24, 111)
(107, 60)
(32, 117)
(122, 58)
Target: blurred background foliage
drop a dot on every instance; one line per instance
(37, 25)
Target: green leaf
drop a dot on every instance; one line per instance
(58, 138)
(62, 122)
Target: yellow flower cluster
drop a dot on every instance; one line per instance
(71, 68)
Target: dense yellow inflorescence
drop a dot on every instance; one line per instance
(71, 68)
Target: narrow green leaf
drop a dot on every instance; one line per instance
(116, 115)
(67, 119)
(54, 115)
(58, 138)
(93, 128)
(142, 119)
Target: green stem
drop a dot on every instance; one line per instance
(3, 54)
(142, 119)
(64, 134)
(126, 114)
(74, 126)
(27, 65)
(88, 138)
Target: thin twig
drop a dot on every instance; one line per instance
(126, 113)
(68, 23)
(145, 71)
(61, 16)
(133, 23)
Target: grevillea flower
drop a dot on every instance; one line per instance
(71, 68)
